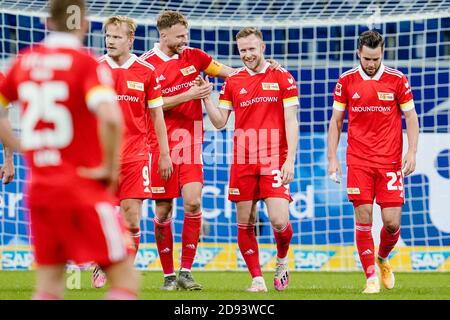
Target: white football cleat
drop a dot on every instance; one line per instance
(258, 285)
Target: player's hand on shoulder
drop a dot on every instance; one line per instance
(287, 171)
(274, 64)
(165, 167)
(7, 172)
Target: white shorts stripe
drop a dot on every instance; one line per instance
(111, 231)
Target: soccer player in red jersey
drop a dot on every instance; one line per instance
(139, 95)
(71, 133)
(375, 97)
(265, 103)
(177, 66)
(7, 170)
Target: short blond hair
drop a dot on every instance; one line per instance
(248, 31)
(169, 18)
(118, 20)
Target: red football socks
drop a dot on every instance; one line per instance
(135, 234)
(387, 242)
(283, 238)
(365, 245)
(249, 248)
(189, 238)
(164, 243)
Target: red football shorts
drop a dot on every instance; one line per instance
(187, 167)
(254, 182)
(76, 222)
(134, 180)
(366, 183)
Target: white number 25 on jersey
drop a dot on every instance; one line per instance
(42, 106)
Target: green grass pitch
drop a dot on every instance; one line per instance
(18, 285)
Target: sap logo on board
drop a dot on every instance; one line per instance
(428, 260)
(205, 255)
(312, 259)
(17, 259)
(144, 257)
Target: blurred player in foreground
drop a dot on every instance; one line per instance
(71, 133)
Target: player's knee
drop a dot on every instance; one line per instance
(163, 211)
(391, 226)
(132, 215)
(192, 205)
(279, 223)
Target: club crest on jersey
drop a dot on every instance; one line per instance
(188, 70)
(291, 80)
(270, 86)
(385, 96)
(353, 191)
(158, 189)
(234, 191)
(135, 85)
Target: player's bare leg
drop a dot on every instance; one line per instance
(365, 246)
(388, 238)
(131, 210)
(49, 282)
(192, 224)
(248, 245)
(164, 241)
(278, 210)
(123, 280)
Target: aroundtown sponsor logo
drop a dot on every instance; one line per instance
(248, 103)
(265, 256)
(428, 260)
(124, 97)
(178, 87)
(144, 257)
(17, 259)
(312, 259)
(371, 109)
(205, 255)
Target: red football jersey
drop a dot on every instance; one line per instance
(176, 75)
(58, 86)
(374, 115)
(2, 77)
(258, 101)
(137, 88)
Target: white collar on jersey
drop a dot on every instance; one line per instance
(252, 73)
(164, 57)
(376, 77)
(126, 65)
(62, 40)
